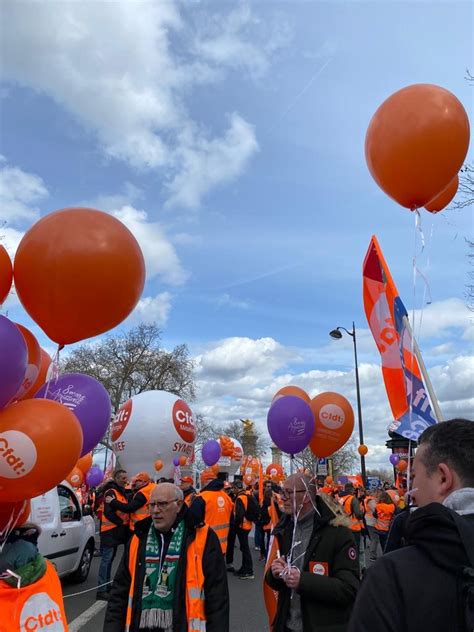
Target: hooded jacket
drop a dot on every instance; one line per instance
(420, 581)
(215, 582)
(330, 574)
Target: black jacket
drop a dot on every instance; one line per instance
(121, 533)
(326, 601)
(215, 584)
(415, 588)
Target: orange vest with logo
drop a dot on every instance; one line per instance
(143, 512)
(35, 608)
(106, 524)
(195, 599)
(218, 512)
(273, 516)
(384, 516)
(246, 524)
(355, 522)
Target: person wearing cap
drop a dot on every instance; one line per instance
(30, 591)
(142, 485)
(188, 490)
(213, 506)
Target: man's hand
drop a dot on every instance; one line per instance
(292, 577)
(278, 566)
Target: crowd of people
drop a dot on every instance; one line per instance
(336, 559)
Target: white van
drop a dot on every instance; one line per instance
(67, 536)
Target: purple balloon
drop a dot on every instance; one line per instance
(13, 360)
(211, 452)
(94, 476)
(87, 399)
(394, 459)
(176, 461)
(290, 422)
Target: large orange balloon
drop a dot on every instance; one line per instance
(78, 272)
(85, 463)
(416, 143)
(442, 200)
(42, 377)
(6, 274)
(292, 390)
(75, 477)
(34, 362)
(13, 514)
(333, 423)
(40, 442)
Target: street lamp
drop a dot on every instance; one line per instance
(337, 335)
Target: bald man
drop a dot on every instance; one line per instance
(314, 564)
(172, 576)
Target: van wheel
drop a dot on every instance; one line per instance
(82, 572)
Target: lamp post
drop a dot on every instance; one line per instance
(337, 335)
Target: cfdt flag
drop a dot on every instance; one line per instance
(388, 321)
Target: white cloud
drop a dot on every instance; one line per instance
(125, 70)
(19, 192)
(227, 301)
(153, 309)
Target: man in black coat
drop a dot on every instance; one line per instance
(419, 587)
(169, 517)
(318, 580)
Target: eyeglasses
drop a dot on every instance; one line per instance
(161, 504)
(287, 493)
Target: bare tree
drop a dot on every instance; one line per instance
(383, 473)
(133, 362)
(344, 460)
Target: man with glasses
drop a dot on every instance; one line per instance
(172, 577)
(314, 566)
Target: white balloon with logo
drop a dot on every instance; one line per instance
(151, 426)
(231, 464)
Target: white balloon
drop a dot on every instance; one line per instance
(231, 464)
(150, 426)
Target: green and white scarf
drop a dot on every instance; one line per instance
(160, 579)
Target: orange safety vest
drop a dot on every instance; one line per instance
(218, 512)
(273, 516)
(106, 524)
(195, 598)
(33, 607)
(143, 512)
(355, 522)
(384, 516)
(246, 524)
(189, 498)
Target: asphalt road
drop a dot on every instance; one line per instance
(247, 610)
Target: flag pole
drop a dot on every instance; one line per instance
(424, 372)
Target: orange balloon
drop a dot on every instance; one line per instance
(329, 480)
(6, 274)
(40, 441)
(182, 460)
(248, 479)
(78, 273)
(292, 390)
(274, 470)
(75, 477)
(34, 363)
(362, 449)
(45, 363)
(416, 143)
(442, 200)
(13, 514)
(85, 463)
(402, 465)
(158, 465)
(333, 423)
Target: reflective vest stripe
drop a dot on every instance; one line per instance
(355, 522)
(106, 524)
(195, 600)
(143, 512)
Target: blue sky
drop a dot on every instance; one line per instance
(230, 138)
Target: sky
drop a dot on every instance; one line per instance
(229, 137)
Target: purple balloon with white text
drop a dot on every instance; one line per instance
(290, 422)
(211, 452)
(394, 459)
(94, 476)
(87, 399)
(13, 360)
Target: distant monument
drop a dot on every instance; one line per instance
(249, 438)
(276, 455)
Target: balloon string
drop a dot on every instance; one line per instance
(54, 370)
